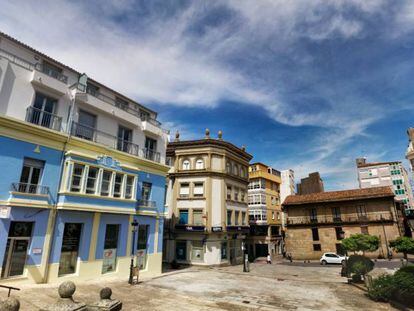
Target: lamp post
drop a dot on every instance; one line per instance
(134, 225)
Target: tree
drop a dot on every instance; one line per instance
(403, 245)
(361, 242)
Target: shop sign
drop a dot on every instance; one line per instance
(109, 259)
(37, 251)
(5, 212)
(217, 229)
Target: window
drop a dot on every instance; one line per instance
(313, 215)
(336, 213)
(242, 172)
(317, 247)
(92, 89)
(118, 185)
(197, 252)
(183, 217)
(229, 214)
(42, 112)
(243, 220)
(361, 211)
(273, 215)
(198, 217)
(228, 167)
(30, 175)
(184, 190)
(77, 175)
(106, 181)
(121, 103)
(278, 216)
(235, 170)
(198, 189)
(110, 248)
(364, 230)
(236, 217)
(142, 245)
(91, 181)
(186, 164)
(228, 193)
(70, 248)
(124, 142)
(236, 194)
(150, 144)
(338, 232)
(199, 164)
(51, 70)
(315, 234)
(146, 191)
(86, 126)
(242, 196)
(129, 187)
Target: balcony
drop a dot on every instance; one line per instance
(50, 79)
(151, 155)
(152, 126)
(146, 203)
(29, 188)
(320, 220)
(43, 118)
(92, 134)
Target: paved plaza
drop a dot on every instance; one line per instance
(266, 287)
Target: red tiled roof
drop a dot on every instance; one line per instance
(344, 195)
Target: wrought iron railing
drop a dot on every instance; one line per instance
(51, 72)
(43, 118)
(151, 155)
(146, 203)
(29, 188)
(372, 217)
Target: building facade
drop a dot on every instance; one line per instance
(376, 174)
(311, 184)
(315, 221)
(287, 187)
(80, 162)
(265, 213)
(207, 202)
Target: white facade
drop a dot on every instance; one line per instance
(391, 174)
(40, 90)
(287, 188)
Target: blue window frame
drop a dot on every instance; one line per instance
(183, 219)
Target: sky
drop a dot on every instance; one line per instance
(307, 84)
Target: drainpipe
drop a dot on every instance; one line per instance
(54, 207)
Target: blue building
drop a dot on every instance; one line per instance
(79, 162)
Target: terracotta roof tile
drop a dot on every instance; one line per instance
(344, 195)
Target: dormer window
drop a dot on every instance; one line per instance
(199, 164)
(186, 165)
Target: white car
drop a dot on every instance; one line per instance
(331, 258)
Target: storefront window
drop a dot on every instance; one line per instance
(110, 248)
(142, 246)
(16, 248)
(181, 250)
(70, 248)
(197, 252)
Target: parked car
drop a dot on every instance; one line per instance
(331, 258)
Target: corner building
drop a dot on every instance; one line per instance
(79, 163)
(207, 202)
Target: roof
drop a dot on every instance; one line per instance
(336, 196)
(204, 143)
(14, 40)
(377, 163)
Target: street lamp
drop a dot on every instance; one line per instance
(134, 225)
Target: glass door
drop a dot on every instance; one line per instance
(150, 148)
(110, 248)
(30, 176)
(86, 125)
(43, 110)
(124, 139)
(16, 249)
(70, 248)
(142, 246)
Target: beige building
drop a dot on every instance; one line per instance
(265, 213)
(377, 174)
(311, 184)
(315, 221)
(206, 201)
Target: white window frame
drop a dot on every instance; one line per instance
(181, 194)
(198, 187)
(199, 164)
(186, 165)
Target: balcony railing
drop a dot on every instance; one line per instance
(29, 188)
(372, 217)
(51, 72)
(92, 134)
(146, 203)
(151, 155)
(43, 118)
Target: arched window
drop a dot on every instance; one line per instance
(242, 172)
(199, 164)
(235, 170)
(186, 164)
(228, 167)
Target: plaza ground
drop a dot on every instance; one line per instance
(280, 286)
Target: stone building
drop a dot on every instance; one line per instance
(265, 214)
(207, 202)
(315, 221)
(311, 184)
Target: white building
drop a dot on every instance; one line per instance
(377, 174)
(287, 187)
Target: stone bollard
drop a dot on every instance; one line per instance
(66, 302)
(10, 304)
(106, 303)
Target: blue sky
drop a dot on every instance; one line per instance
(307, 85)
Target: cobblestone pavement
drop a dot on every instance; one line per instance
(265, 287)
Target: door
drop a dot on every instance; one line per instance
(30, 175)
(150, 148)
(181, 250)
(43, 111)
(142, 246)
(110, 248)
(124, 139)
(70, 248)
(86, 125)
(17, 245)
